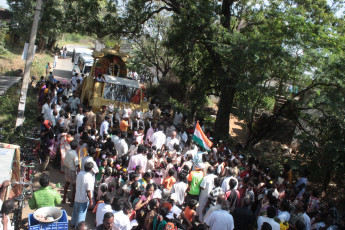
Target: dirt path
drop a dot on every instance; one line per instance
(238, 129)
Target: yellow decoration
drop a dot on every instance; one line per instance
(92, 92)
(284, 226)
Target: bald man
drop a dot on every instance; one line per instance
(206, 186)
(171, 141)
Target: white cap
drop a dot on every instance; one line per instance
(200, 166)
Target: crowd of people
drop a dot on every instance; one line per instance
(157, 178)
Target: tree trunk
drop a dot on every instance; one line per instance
(327, 179)
(50, 45)
(226, 12)
(41, 45)
(226, 100)
(151, 80)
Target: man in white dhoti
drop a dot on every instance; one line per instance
(206, 186)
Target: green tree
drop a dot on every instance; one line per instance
(150, 47)
(321, 121)
(51, 25)
(242, 44)
(87, 17)
(3, 33)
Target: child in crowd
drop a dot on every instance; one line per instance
(169, 181)
(189, 211)
(101, 169)
(150, 166)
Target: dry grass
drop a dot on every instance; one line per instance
(12, 61)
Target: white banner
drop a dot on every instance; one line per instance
(25, 51)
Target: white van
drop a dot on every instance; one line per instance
(78, 51)
(83, 65)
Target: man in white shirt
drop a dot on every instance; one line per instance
(89, 158)
(121, 145)
(149, 133)
(74, 101)
(68, 92)
(138, 159)
(78, 120)
(301, 184)
(171, 141)
(170, 129)
(83, 196)
(177, 118)
(217, 207)
(184, 139)
(158, 138)
(115, 137)
(221, 219)
(284, 214)
(74, 81)
(104, 127)
(122, 211)
(103, 208)
(306, 221)
(192, 150)
(80, 78)
(206, 186)
(71, 165)
(180, 189)
(46, 110)
(230, 175)
(56, 58)
(271, 213)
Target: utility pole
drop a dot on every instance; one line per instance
(28, 64)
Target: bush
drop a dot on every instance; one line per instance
(3, 49)
(74, 37)
(8, 114)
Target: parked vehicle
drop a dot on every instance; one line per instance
(84, 64)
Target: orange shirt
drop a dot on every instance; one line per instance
(123, 125)
(169, 182)
(189, 213)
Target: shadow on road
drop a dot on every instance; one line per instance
(64, 76)
(62, 73)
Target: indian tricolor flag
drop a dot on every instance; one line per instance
(200, 138)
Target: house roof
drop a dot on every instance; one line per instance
(5, 14)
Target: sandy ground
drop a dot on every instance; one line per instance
(238, 129)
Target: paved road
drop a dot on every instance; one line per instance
(7, 82)
(63, 70)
